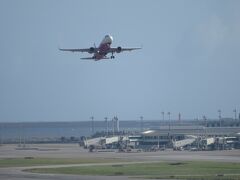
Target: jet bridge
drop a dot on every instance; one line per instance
(184, 142)
(102, 141)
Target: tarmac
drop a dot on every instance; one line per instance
(74, 151)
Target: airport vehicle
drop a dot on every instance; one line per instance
(102, 50)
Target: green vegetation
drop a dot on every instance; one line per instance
(179, 170)
(30, 161)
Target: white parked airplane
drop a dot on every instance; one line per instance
(102, 50)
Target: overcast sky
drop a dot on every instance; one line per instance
(190, 61)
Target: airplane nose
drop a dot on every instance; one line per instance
(107, 39)
(111, 38)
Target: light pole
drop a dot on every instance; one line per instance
(92, 118)
(106, 120)
(169, 129)
(113, 126)
(162, 116)
(179, 117)
(141, 123)
(205, 120)
(117, 121)
(235, 114)
(220, 117)
(169, 120)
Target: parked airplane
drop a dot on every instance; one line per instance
(102, 50)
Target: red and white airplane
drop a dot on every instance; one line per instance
(102, 50)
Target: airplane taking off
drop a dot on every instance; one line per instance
(102, 50)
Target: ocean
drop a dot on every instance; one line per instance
(52, 130)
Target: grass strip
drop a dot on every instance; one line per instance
(179, 170)
(31, 161)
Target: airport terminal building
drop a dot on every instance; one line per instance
(176, 137)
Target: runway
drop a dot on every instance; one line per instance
(74, 151)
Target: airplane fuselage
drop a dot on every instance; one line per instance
(104, 48)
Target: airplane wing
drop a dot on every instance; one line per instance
(119, 49)
(80, 50)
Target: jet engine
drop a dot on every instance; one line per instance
(119, 49)
(91, 50)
